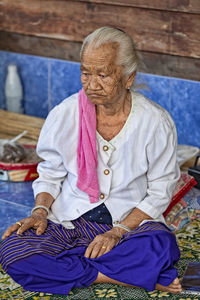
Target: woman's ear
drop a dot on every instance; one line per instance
(130, 80)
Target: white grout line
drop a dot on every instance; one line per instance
(17, 204)
(49, 85)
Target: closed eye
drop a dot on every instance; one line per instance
(102, 76)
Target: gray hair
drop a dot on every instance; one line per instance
(127, 53)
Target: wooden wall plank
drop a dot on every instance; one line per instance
(154, 63)
(190, 6)
(34, 45)
(169, 65)
(173, 33)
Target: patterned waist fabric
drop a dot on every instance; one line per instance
(99, 214)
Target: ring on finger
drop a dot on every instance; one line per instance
(19, 223)
(103, 247)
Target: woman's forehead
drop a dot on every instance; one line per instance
(101, 57)
(98, 65)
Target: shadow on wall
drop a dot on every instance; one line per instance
(47, 81)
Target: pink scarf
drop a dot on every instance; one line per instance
(86, 152)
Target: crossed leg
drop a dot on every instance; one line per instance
(174, 287)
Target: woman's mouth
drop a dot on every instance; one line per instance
(92, 95)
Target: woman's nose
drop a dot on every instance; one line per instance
(93, 83)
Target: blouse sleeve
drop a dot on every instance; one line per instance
(51, 170)
(163, 171)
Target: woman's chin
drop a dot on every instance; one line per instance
(97, 100)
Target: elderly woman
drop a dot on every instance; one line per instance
(108, 172)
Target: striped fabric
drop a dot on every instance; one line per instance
(54, 241)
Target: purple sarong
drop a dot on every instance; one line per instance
(54, 262)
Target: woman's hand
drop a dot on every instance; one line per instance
(103, 243)
(38, 221)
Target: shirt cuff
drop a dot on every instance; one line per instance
(149, 210)
(45, 188)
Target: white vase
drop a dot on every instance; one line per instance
(13, 90)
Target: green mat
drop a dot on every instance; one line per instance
(189, 243)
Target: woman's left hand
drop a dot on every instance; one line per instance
(102, 244)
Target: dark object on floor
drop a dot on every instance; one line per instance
(191, 279)
(13, 153)
(195, 172)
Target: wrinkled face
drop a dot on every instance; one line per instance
(102, 79)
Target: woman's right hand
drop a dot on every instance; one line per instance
(38, 221)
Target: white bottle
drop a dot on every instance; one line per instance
(13, 90)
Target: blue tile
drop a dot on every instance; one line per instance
(186, 111)
(3, 63)
(64, 80)
(11, 213)
(35, 77)
(158, 88)
(17, 192)
(16, 202)
(33, 71)
(2, 183)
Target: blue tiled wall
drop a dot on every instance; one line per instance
(48, 81)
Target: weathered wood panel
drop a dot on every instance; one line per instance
(192, 6)
(158, 31)
(40, 46)
(155, 63)
(169, 65)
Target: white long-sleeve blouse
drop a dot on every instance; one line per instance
(137, 168)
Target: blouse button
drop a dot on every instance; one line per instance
(105, 148)
(116, 222)
(106, 171)
(102, 196)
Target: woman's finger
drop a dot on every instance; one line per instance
(39, 224)
(103, 249)
(106, 248)
(41, 227)
(10, 230)
(25, 225)
(89, 250)
(101, 244)
(95, 250)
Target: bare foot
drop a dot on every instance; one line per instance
(174, 287)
